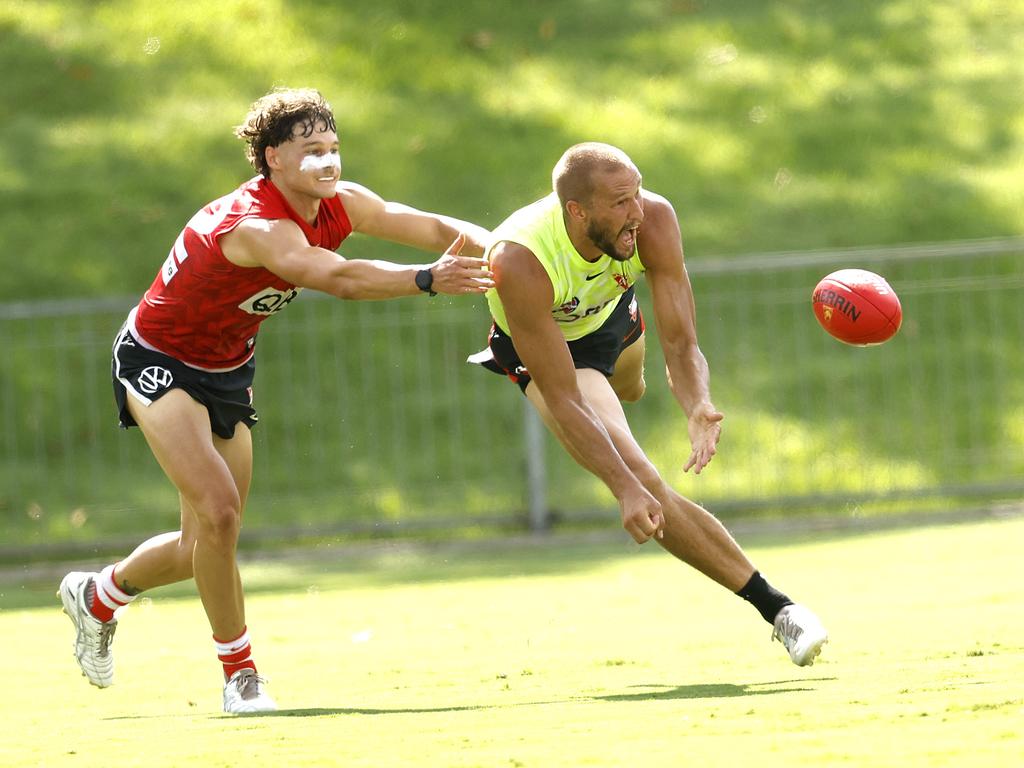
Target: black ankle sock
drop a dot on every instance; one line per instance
(763, 596)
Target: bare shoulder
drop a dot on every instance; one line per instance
(659, 215)
(349, 190)
(361, 203)
(519, 275)
(659, 241)
(513, 261)
(507, 250)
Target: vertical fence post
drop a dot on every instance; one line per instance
(536, 474)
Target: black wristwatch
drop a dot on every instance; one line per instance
(425, 281)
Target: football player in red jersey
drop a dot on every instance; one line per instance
(183, 362)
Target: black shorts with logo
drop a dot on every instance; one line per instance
(150, 375)
(599, 349)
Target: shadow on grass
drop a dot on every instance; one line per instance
(649, 693)
(710, 690)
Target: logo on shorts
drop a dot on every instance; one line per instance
(268, 301)
(154, 378)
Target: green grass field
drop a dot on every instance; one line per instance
(587, 653)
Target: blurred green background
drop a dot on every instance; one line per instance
(771, 126)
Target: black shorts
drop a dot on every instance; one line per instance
(599, 349)
(150, 375)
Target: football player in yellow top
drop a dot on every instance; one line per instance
(568, 331)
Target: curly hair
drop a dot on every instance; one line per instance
(272, 119)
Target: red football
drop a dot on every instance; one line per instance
(857, 307)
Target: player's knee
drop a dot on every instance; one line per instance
(222, 528)
(219, 517)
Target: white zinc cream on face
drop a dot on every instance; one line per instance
(324, 162)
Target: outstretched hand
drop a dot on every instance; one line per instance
(705, 427)
(455, 274)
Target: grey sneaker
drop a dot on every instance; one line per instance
(92, 636)
(245, 693)
(801, 632)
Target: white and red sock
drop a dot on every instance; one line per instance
(235, 654)
(107, 597)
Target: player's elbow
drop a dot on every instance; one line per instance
(345, 289)
(342, 279)
(683, 347)
(349, 284)
(563, 402)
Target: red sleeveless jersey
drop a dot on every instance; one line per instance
(205, 311)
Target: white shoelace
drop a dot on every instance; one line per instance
(787, 631)
(248, 686)
(106, 635)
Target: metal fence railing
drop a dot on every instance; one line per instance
(371, 420)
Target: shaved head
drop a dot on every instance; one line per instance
(574, 173)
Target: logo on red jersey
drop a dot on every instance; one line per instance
(268, 301)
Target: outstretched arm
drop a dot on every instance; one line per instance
(526, 293)
(661, 250)
(371, 215)
(280, 246)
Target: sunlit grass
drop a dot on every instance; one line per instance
(597, 653)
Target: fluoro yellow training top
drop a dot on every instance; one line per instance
(586, 292)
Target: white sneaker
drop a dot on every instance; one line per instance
(801, 632)
(92, 636)
(245, 693)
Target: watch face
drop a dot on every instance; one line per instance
(424, 279)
